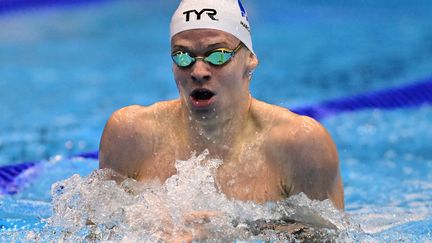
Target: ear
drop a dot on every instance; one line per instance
(252, 62)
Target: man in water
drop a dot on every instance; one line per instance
(268, 152)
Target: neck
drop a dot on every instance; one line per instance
(217, 130)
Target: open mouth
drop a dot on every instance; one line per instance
(202, 94)
(202, 98)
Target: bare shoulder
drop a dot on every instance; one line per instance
(309, 141)
(126, 118)
(306, 154)
(128, 138)
(293, 136)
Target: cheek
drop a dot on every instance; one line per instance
(179, 77)
(234, 79)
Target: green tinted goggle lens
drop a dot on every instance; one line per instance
(217, 57)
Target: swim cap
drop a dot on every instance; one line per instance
(226, 15)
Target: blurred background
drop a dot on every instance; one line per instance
(66, 65)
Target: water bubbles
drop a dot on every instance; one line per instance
(57, 189)
(189, 204)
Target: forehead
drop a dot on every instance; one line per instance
(201, 38)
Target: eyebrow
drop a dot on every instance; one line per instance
(180, 47)
(217, 44)
(207, 48)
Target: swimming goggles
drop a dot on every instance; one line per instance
(217, 57)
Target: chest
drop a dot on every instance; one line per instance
(246, 172)
(257, 180)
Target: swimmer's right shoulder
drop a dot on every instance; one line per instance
(146, 112)
(141, 117)
(127, 139)
(129, 114)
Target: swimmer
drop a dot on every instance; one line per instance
(269, 153)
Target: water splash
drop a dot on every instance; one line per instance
(186, 206)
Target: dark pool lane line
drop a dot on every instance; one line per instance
(405, 96)
(10, 6)
(9, 173)
(411, 95)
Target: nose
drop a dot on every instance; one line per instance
(200, 72)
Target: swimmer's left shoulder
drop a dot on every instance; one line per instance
(316, 165)
(308, 129)
(271, 114)
(307, 157)
(301, 144)
(305, 137)
(289, 131)
(283, 122)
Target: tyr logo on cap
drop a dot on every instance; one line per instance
(210, 12)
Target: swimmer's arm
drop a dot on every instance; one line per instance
(309, 161)
(124, 146)
(316, 165)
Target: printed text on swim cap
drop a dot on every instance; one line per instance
(210, 12)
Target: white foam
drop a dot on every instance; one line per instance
(187, 204)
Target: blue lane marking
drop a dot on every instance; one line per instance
(7, 6)
(87, 155)
(9, 173)
(411, 95)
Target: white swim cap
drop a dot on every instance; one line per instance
(226, 15)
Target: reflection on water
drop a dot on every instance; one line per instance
(188, 205)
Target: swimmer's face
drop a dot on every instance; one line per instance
(205, 88)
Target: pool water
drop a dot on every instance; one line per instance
(64, 70)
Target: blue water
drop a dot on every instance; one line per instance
(64, 70)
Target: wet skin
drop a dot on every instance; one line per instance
(269, 153)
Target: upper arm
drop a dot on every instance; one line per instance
(317, 164)
(313, 162)
(124, 144)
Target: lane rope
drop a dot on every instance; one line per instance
(411, 95)
(10, 181)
